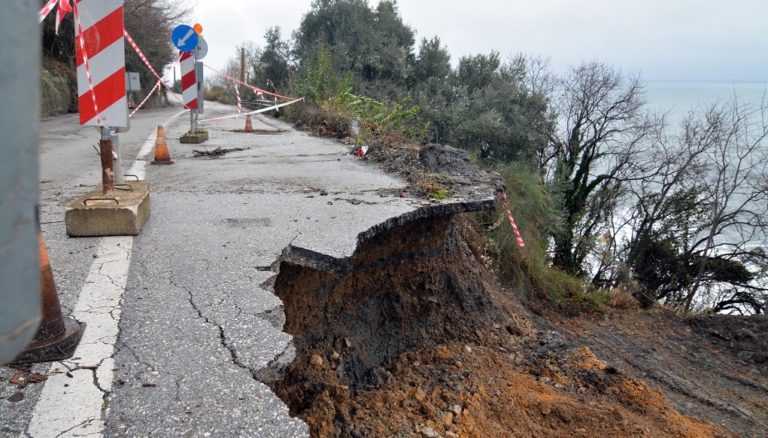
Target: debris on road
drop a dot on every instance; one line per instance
(24, 377)
(218, 152)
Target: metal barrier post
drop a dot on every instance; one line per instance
(20, 308)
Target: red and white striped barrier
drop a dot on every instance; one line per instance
(239, 101)
(505, 201)
(100, 58)
(189, 80)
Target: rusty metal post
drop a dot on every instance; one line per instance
(107, 163)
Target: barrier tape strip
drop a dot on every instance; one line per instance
(505, 201)
(237, 81)
(149, 66)
(81, 38)
(239, 102)
(263, 110)
(46, 10)
(62, 11)
(157, 84)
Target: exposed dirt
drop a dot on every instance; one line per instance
(712, 367)
(414, 337)
(433, 167)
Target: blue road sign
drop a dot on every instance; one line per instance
(184, 38)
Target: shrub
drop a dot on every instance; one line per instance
(528, 269)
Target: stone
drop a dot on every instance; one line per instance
(420, 395)
(442, 352)
(428, 432)
(123, 213)
(316, 360)
(194, 137)
(456, 409)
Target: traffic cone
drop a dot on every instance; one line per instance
(57, 337)
(248, 124)
(162, 156)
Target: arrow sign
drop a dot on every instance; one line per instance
(184, 38)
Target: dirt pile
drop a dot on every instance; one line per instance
(434, 167)
(413, 337)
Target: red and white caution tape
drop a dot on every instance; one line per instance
(149, 66)
(262, 110)
(87, 65)
(237, 81)
(62, 11)
(46, 10)
(157, 84)
(505, 201)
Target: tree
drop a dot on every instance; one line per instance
(273, 64)
(598, 145)
(373, 44)
(432, 62)
(699, 222)
(150, 22)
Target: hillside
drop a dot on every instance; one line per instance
(416, 335)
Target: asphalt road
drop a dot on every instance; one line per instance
(198, 334)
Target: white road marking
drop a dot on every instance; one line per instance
(76, 405)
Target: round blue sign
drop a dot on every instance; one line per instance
(184, 38)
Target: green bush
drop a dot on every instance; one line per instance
(528, 269)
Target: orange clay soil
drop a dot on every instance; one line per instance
(459, 390)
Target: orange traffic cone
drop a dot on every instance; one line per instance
(57, 337)
(162, 156)
(248, 124)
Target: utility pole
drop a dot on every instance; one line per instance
(242, 64)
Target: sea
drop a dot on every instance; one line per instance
(677, 99)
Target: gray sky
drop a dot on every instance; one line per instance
(725, 40)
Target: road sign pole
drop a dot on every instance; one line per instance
(119, 173)
(107, 163)
(198, 79)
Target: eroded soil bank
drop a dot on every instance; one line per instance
(413, 337)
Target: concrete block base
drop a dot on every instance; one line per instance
(195, 137)
(123, 214)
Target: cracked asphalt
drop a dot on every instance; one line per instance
(200, 330)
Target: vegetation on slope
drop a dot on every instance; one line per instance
(608, 196)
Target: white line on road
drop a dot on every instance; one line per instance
(73, 400)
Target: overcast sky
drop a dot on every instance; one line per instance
(721, 40)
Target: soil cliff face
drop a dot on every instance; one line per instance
(412, 336)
